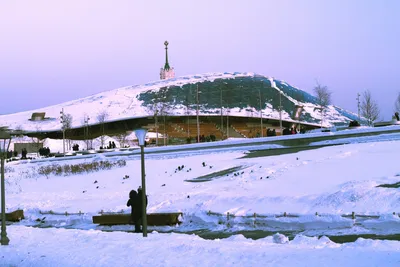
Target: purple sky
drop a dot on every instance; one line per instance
(55, 51)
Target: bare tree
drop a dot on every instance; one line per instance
(19, 128)
(85, 122)
(160, 108)
(121, 138)
(154, 108)
(369, 108)
(323, 96)
(102, 117)
(67, 125)
(163, 111)
(19, 131)
(397, 104)
(187, 110)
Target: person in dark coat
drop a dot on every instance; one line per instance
(138, 210)
(132, 203)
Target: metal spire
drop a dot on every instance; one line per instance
(166, 66)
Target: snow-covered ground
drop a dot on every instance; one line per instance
(60, 247)
(331, 181)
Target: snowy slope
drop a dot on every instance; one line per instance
(136, 101)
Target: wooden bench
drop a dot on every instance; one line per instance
(153, 219)
(14, 216)
(386, 123)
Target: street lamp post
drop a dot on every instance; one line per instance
(280, 111)
(222, 118)
(5, 141)
(197, 114)
(227, 123)
(261, 118)
(63, 129)
(86, 121)
(358, 106)
(141, 136)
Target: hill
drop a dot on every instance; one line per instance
(236, 94)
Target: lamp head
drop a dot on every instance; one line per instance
(5, 139)
(141, 135)
(5, 132)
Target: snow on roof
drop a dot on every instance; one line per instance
(122, 103)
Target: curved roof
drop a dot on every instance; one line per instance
(239, 94)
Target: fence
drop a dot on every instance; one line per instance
(230, 217)
(255, 219)
(66, 213)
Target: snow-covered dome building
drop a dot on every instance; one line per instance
(225, 104)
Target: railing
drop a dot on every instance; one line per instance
(229, 218)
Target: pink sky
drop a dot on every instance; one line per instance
(55, 51)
